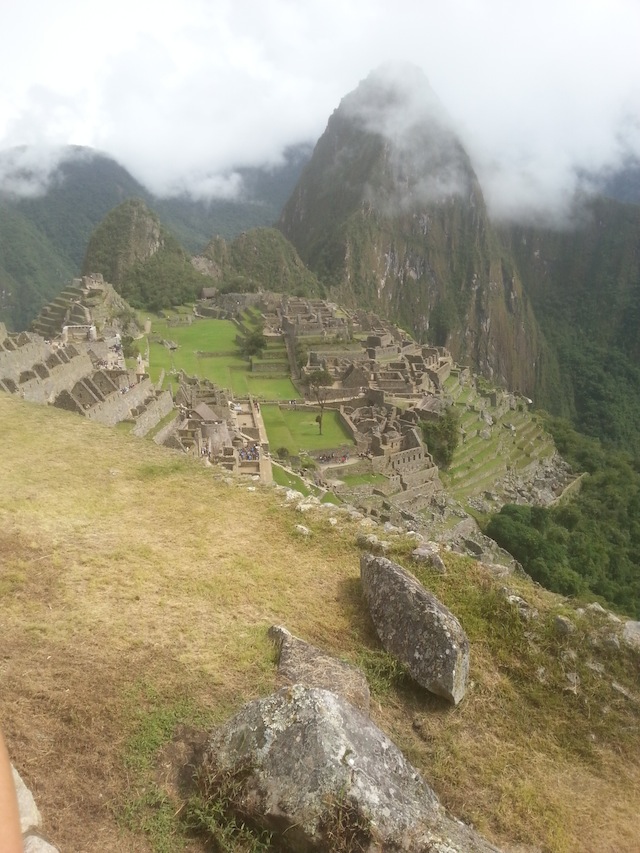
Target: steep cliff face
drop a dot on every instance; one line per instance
(389, 214)
(584, 284)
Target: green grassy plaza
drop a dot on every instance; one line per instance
(207, 349)
(298, 430)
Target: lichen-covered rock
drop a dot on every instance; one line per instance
(429, 554)
(301, 663)
(307, 765)
(416, 628)
(631, 634)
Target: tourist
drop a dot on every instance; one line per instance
(10, 832)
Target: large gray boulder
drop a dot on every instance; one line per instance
(307, 765)
(416, 628)
(301, 663)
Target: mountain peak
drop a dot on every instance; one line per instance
(395, 96)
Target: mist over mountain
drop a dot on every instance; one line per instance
(52, 199)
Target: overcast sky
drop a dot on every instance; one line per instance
(179, 92)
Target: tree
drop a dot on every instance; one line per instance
(441, 436)
(254, 343)
(318, 383)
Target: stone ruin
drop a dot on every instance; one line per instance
(389, 439)
(226, 431)
(79, 366)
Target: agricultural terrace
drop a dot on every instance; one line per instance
(512, 442)
(207, 349)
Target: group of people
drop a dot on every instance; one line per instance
(250, 453)
(333, 457)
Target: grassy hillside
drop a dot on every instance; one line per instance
(136, 590)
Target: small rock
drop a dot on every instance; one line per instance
(333, 521)
(391, 528)
(611, 642)
(368, 523)
(301, 663)
(563, 626)
(371, 542)
(35, 844)
(574, 682)
(292, 495)
(251, 488)
(302, 530)
(525, 610)
(594, 607)
(428, 555)
(497, 569)
(631, 635)
(623, 691)
(413, 534)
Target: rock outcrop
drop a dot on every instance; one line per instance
(301, 663)
(416, 628)
(30, 819)
(310, 767)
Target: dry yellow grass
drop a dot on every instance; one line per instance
(136, 583)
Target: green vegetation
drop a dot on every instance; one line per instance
(592, 374)
(297, 430)
(442, 436)
(589, 543)
(208, 349)
(261, 258)
(318, 383)
(153, 719)
(32, 269)
(254, 343)
(145, 264)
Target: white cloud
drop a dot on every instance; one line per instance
(182, 94)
